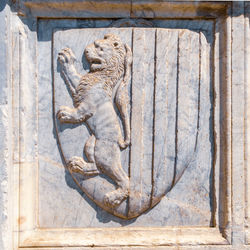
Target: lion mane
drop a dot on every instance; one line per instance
(110, 62)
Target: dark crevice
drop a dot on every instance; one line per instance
(176, 114)
(130, 114)
(199, 96)
(153, 130)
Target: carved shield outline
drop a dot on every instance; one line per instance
(166, 168)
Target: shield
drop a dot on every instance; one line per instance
(164, 110)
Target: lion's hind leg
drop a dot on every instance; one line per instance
(116, 197)
(78, 165)
(107, 158)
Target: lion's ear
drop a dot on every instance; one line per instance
(107, 36)
(129, 57)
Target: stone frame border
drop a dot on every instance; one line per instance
(229, 81)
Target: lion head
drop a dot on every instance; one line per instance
(106, 54)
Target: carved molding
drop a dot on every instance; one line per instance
(228, 226)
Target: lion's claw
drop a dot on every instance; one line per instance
(78, 165)
(64, 114)
(115, 198)
(63, 117)
(124, 144)
(66, 56)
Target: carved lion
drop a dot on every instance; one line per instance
(93, 96)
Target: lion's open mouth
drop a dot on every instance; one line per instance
(95, 61)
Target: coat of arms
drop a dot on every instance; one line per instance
(125, 142)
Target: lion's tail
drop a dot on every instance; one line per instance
(122, 97)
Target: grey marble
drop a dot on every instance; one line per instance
(189, 108)
(194, 207)
(5, 128)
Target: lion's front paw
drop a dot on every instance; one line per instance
(75, 164)
(65, 114)
(67, 59)
(66, 56)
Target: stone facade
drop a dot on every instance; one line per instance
(124, 124)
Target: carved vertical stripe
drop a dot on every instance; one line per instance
(165, 111)
(176, 106)
(142, 119)
(187, 103)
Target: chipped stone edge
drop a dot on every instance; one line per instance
(5, 131)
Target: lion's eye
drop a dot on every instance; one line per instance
(116, 44)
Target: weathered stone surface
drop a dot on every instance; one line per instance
(187, 164)
(149, 81)
(85, 9)
(5, 130)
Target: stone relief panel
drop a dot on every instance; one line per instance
(177, 101)
(132, 117)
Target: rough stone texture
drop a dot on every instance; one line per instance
(247, 107)
(190, 79)
(5, 129)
